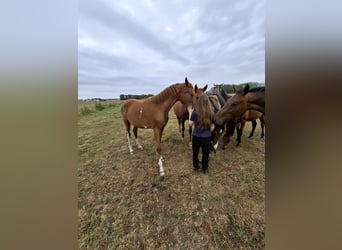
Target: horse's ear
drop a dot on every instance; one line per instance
(186, 81)
(234, 88)
(246, 89)
(196, 88)
(205, 87)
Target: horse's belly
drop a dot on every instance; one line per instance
(141, 123)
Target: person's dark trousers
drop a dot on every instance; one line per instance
(197, 143)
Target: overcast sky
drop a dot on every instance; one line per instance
(142, 47)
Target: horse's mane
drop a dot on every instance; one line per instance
(221, 93)
(224, 94)
(164, 94)
(257, 89)
(253, 90)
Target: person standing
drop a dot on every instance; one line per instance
(201, 117)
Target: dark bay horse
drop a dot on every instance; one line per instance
(238, 104)
(153, 113)
(249, 115)
(182, 112)
(218, 97)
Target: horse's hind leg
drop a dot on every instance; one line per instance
(183, 127)
(157, 137)
(135, 131)
(254, 123)
(179, 125)
(262, 124)
(128, 134)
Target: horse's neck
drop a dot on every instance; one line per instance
(218, 106)
(222, 100)
(219, 98)
(256, 102)
(166, 99)
(224, 95)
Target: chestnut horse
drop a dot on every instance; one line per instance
(249, 115)
(238, 104)
(153, 113)
(182, 112)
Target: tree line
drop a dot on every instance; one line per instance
(125, 97)
(227, 87)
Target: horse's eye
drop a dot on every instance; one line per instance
(234, 104)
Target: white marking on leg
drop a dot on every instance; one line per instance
(161, 168)
(216, 145)
(129, 144)
(138, 144)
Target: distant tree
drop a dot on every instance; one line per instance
(129, 96)
(228, 88)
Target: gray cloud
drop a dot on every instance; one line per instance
(145, 46)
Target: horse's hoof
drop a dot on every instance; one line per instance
(131, 152)
(161, 178)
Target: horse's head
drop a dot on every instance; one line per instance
(185, 93)
(197, 93)
(219, 92)
(234, 107)
(215, 136)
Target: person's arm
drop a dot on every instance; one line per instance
(191, 122)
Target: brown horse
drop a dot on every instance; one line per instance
(182, 112)
(238, 104)
(249, 115)
(218, 97)
(153, 113)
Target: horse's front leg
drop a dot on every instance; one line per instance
(157, 136)
(135, 131)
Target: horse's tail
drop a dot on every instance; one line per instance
(123, 110)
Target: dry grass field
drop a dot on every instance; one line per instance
(123, 205)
